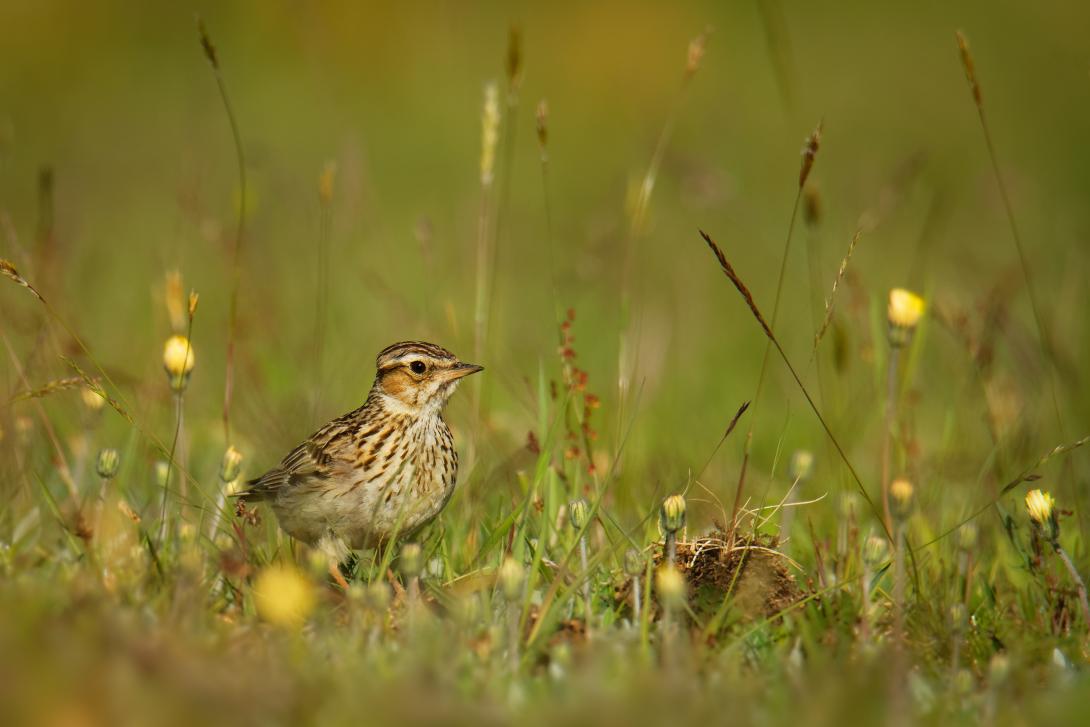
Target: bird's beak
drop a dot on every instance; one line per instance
(461, 370)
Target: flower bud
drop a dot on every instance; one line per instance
(904, 312)
(670, 585)
(231, 465)
(802, 465)
(577, 513)
(178, 360)
(162, 472)
(108, 461)
(901, 498)
(436, 569)
(672, 513)
(633, 562)
(412, 560)
(510, 578)
(378, 596)
(875, 550)
(967, 536)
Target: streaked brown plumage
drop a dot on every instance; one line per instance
(381, 471)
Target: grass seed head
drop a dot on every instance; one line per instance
(695, 54)
(490, 133)
(174, 299)
(283, 596)
(542, 119)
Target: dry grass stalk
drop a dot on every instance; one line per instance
(832, 295)
(236, 252)
(1042, 331)
(729, 271)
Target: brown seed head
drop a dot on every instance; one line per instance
(970, 68)
(206, 44)
(809, 152)
(514, 57)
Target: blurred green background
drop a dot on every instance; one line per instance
(118, 101)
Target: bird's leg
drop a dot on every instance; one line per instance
(338, 577)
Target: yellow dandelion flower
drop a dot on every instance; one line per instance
(905, 308)
(901, 496)
(1039, 505)
(283, 595)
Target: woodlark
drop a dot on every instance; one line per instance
(382, 471)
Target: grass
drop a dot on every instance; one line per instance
(617, 453)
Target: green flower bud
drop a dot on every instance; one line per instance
(231, 465)
(107, 464)
(577, 513)
(378, 596)
(967, 536)
(412, 560)
(875, 550)
(510, 577)
(902, 496)
(672, 513)
(633, 562)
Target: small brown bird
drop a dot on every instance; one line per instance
(382, 471)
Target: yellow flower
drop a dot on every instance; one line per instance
(283, 595)
(178, 360)
(901, 495)
(1039, 505)
(670, 585)
(905, 308)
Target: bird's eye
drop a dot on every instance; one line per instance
(418, 367)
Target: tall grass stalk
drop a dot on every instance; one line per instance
(735, 280)
(236, 249)
(809, 153)
(1043, 337)
(626, 346)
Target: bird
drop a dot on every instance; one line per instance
(378, 473)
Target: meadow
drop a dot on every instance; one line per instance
(782, 417)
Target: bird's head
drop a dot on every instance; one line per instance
(418, 377)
